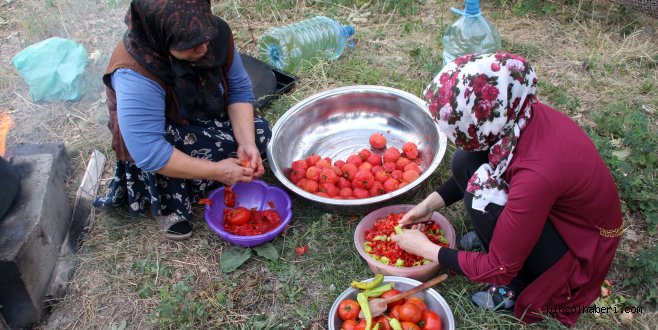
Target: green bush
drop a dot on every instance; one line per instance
(629, 145)
(645, 269)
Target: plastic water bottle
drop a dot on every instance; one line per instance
(287, 47)
(471, 33)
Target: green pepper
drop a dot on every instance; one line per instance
(398, 229)
(363, 303)
(384, 260)
(374, 256)
(376, 327)
(426, 261)
(399, 263)
(378, 291)
(394, 323)
(367, 285)
(380, 238)
(367, 248)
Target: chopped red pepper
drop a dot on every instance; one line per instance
(270, 204)
(382, 247)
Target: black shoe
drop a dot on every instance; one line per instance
(470, 242)
(494, 298)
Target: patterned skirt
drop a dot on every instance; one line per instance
(207, 139)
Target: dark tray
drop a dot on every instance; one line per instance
(267, 82)
(284, 83)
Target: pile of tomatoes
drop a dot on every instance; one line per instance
(362, 175)
(250, 222)
(379, 245)
(412, 314)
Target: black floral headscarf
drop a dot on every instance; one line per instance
(157, 26)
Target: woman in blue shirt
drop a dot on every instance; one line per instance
(181, 112)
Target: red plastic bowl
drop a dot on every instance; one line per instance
(255, 194)
(420, 273)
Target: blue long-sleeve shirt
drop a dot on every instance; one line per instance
(140, 109)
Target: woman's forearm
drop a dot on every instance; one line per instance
(241, 116)
(183, 166)
(434, 202)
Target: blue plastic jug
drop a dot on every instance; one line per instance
(287, 47)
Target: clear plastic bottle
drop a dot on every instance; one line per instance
(471, 33)
(287, 47)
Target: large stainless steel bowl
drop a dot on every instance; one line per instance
(338, 122)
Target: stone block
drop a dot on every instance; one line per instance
(32, 231)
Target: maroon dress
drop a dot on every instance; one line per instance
(556, 173)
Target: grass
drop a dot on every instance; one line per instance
(588, 55)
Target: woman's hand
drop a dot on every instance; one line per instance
(251, 153)
(423, 211)
(418, 213)
(415, 242)
(229, 171)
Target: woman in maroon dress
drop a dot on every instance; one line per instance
(541, 200)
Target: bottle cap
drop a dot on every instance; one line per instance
(348, 30)
(472, 7)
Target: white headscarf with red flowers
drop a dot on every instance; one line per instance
(483, 102)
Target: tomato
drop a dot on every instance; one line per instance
(301, 250)
(409, 326)
(391, 184)
(391, 155)
(418, 302)
(410, 175)
(258, 222)
(361, 325)
(328, 176)
(412, 167)
(364, 154)
(375, 159)
(205, 201)
(391, 293)
(313, 173)
(237, 216)
(410, 150)
(383, 323)
(395, 312)
(377, 141)
(312, 159)
(410, 312)
(354, 160)
(348, 309)
(348, 325)
(432, 321)
(349, 170)
(229, 197)
(363, 179)
(360, 193)
(402, 162)
(389, 167)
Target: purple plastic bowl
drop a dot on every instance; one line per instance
(255, 194)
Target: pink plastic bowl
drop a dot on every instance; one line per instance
(420, 273)
(255, 194)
